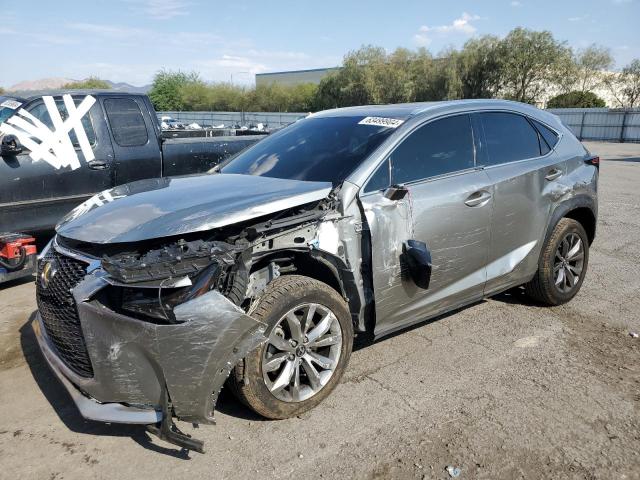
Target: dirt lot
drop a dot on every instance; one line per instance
(502, 389)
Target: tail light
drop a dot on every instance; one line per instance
(593, 160)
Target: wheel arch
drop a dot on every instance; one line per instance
(319, 265)
(581, 208)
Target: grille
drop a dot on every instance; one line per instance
(59, 313)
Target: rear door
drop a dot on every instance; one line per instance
(35, 195)
(135, 145)
(526, 174)
(448, 206)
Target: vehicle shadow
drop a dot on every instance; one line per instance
(624, 159)
(16, 282)
(66, 410)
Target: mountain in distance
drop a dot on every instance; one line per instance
(55, 83)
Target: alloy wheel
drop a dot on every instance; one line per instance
(302, 352)
(568, 263)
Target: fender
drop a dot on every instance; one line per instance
(561, 210)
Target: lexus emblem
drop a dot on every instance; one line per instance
(48, 272)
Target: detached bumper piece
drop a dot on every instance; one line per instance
(168, 431)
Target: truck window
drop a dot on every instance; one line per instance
(126, 121)
(39, 110)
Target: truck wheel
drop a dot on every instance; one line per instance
(310, 336)
(562, 266)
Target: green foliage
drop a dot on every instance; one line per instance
(631, 83)
(529, 62)
(87, 84)
(522, 66)
(178, 91)
(625, 85)
(576, 99)
(165, 93)
(1, 90)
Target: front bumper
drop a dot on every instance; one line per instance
(134, 362)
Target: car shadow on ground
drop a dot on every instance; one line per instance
(16, 282)
(66, 410)
(625, 159)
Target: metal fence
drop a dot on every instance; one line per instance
(617, 125)
(229, 119)
(608, 124)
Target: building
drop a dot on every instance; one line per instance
(294, 77)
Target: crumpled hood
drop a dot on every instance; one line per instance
(163, 207)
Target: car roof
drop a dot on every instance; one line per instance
(404, 111)
(33, 94)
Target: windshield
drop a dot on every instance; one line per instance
(7, 107)
(313, 149)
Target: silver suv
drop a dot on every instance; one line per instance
(356, 221)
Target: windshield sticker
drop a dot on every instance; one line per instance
(53, 146)
(381, 122)
(12, 104)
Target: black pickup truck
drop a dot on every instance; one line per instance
(126, 141)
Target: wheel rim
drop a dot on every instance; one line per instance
(569, 263)
(302, 352)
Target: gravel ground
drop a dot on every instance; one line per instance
(501, 389)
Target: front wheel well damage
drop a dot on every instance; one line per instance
(321, 266)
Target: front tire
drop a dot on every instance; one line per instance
(310, 337)
(562, 266)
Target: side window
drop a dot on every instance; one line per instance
(126, 121)
(440, 147)
(39, 110)
(549, 135)
(380, 179)
(509, 137)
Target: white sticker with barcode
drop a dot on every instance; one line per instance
(12, 104)
(381, 122)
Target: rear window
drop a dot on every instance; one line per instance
(550, 137)
(509, 137)
(126, 121)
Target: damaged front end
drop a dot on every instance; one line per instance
(139, 338)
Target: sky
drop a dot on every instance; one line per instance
(130, 40)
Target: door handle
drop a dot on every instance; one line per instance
(553, 174)
(478, 199)
(98, 165)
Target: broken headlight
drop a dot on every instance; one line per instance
(152, 284)
(159, 302)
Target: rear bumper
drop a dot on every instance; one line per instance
(134, 362)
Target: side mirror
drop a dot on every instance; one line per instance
(10, 146)
(416, 260)
(396, 192)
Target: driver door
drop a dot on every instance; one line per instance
(447, 205)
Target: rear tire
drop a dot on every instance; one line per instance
(562, 265)
(273, 380)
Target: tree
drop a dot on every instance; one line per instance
(591, 63)
(165, 93)
(478, 67)
(631, 89)
(87, 83)
(529, 62)
(625, 86)
(1, 90)
(576, 99)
